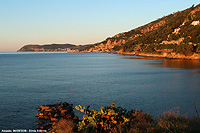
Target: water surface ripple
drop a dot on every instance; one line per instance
(28, 80)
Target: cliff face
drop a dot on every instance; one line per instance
(180, 28)
(52, 47)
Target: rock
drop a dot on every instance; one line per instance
(40, 114)
(42, 108)
(40, 123)
(51, 114)
(57, 111)
(56, 115)
(75, 118)
(48, 110)
(45, 108)
(49, 123)
(68, 116)
(63, 112)
(70, 109)
(54, 108)
(58, 107)
(46, 113)
(65, 104)
(54, 123)
(54, 119)
(195, 23)
(40, 127)
(46, 117)
(59, 103)
(41, 117)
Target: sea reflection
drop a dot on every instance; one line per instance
(181, 64)
(168, 63)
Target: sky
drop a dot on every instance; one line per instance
(78, 22)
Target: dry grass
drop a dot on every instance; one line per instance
(63, 126)
(141, 122)
(172, 121)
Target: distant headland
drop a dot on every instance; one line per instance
(52, 48)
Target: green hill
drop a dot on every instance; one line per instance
(177, 33)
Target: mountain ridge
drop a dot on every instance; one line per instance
(177, 31)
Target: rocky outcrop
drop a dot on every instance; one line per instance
(50, 114)
(195, 23)
(173, 41)
(106, 47)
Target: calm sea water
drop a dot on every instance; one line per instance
(28, 80)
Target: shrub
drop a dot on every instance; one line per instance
(172, 121)
(128, 46)
(185, 49)
(141, 122)
(63, 126)
(114, 119)
(106, 119)
(198, 46)
(117, 48)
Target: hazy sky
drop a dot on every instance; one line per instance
(76, 21)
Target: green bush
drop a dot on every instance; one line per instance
(117, 48)
(114, 119)
(184, 49)
(128, 46)
(106, 119)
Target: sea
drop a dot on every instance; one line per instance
(154, 85)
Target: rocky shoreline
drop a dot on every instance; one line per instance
(164, 55)
(50, 114)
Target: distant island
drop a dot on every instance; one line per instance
(52, 48)
(174, 36)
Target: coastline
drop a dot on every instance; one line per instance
(164, 55)
(172, 55)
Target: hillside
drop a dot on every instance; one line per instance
(52, 47)
(177, 34)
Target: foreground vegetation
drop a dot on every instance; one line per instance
(118, 120)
